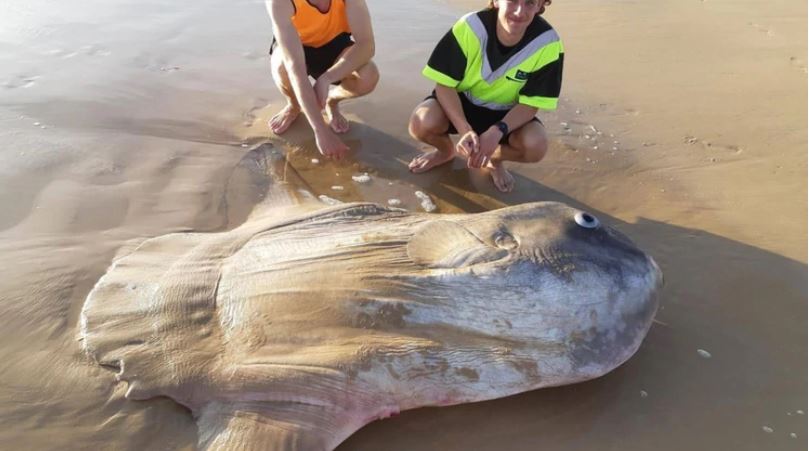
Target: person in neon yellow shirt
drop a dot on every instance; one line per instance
(493, 71)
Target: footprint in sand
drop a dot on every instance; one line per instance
(799, 63)
(253, 55)
(92, 50)
(712, 146)
(20, 81)
(155, 64)
(762, 29)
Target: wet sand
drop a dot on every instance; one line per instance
(125, 121)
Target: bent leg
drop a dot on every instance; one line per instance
(359, 83)
(429, 124)
(284, 118)
(527, 144)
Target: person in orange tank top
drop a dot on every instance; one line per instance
(333, 42)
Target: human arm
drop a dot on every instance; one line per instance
(356, 55)
(541, 91)
(518, 116)
(450, 102)
(447, 67)
(291, 48)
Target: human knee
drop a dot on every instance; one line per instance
(277, 68)
(535, 146)
(370, 77)
(416, 125)
(422, 125)
(363, 81)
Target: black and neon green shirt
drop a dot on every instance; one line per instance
(470, 59)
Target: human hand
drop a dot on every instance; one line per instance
(321, 88)
(468, 144)
(329, 144)
(489, 141)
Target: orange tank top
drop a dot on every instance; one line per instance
(317, 29)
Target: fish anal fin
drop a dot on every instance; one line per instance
(276, 426)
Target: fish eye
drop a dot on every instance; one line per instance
(504, 240)
(586, 220)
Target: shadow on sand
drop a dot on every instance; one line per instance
(744, 306)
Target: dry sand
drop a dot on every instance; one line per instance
(125, 120)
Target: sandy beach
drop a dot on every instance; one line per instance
(682, 124)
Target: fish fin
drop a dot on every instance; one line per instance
(153, 288)
(285, 426)
(446, 244)
(266, 180)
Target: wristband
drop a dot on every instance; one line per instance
(503, 127)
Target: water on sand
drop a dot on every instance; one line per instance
(124, 120)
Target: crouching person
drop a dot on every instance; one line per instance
(493, 71)
(331, 41)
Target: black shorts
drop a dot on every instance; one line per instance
(479, 118)
(320, 59)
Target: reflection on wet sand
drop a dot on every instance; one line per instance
(103, 149)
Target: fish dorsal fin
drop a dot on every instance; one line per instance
(447, 244)
(265, 178)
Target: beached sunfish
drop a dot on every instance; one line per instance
(295, 329)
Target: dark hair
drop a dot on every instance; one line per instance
(541, 9)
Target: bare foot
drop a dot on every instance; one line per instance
(502, 179)
(337, 121)
(281, 121)
(424, 163)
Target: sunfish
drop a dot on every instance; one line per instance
(295, 329)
